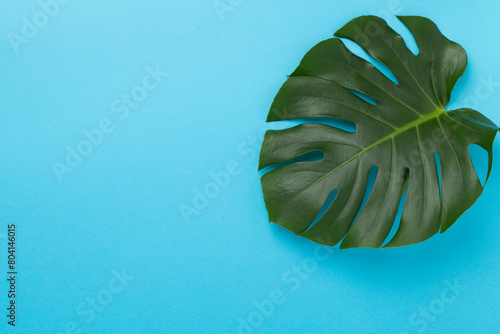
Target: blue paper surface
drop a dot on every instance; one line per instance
(116, 115)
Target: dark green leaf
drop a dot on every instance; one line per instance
(399, 134)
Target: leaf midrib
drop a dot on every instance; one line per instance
(415, 123)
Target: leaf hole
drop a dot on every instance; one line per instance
(362, 96)
(407, 36)
(438, 169)
(329, 201)
(397, 219)
(306, 157)
(357, 50)
(330, 121)
(480, 160)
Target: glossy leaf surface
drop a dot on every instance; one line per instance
(399, 134)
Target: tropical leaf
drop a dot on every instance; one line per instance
(400, 134)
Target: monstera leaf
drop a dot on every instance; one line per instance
(400, 134)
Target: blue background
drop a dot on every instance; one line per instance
(120, 208)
